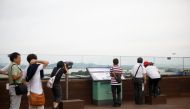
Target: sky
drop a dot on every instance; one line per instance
(96, 27)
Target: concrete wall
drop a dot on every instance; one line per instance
(82, 89)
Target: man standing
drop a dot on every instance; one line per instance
(115, 73)
(34, 75)
(139, 79)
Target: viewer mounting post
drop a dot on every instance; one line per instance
(67, 85)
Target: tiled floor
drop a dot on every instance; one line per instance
(172, 103)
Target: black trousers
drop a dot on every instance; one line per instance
(57, 93)
(153, 86)
(138, 92)
(116, 93)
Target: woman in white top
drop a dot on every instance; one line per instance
(154, 78)
(35, 76)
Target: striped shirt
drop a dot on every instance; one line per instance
(117, 70)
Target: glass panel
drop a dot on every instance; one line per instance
(167, 66)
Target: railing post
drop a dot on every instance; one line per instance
(183, 67)
(120, 60)
(67, 85)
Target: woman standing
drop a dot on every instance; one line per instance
(57, 90)
(33, 77)
(116, 71)
(15, 77)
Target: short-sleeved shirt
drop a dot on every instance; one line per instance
(140, 72)
(59, 74)
(152, 72)
(35, 84)
(5, 69)
(117, 70)
(14, 70)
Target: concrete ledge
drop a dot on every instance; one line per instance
(72, 104)
(161, 99)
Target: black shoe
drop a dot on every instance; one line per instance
(119, 104)
(114, 105)
(138, 103)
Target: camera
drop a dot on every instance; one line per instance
(68, 64)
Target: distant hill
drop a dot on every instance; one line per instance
(80, 65)
(75, 65)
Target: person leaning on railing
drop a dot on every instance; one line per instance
(58, 71)
(3, 72)
(154, 78)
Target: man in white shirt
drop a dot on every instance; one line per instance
(139, 79)
(154, 78)
(35, 83)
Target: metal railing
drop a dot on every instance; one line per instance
(179, 66)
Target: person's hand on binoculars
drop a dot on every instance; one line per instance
(65, 67)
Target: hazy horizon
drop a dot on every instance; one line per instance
(96, 27)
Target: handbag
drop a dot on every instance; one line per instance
(36, 99)
(117, 78)
(20, 89)
(51, 80)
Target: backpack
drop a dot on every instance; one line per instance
(51, 80)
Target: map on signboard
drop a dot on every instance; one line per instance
(100, 73)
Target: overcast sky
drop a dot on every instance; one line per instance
(95, 27)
